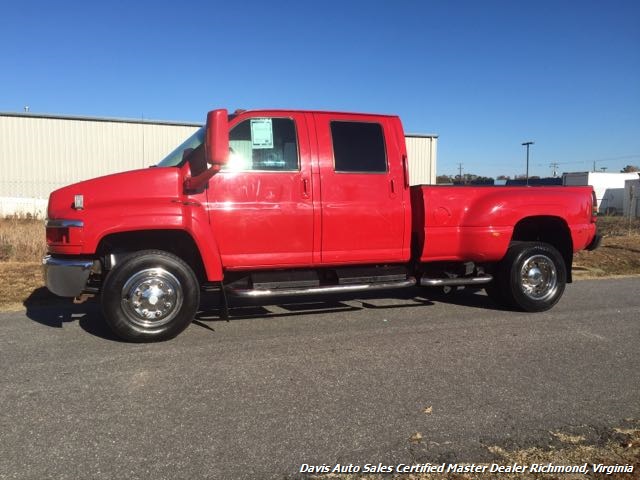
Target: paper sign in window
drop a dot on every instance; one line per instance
(261, 133)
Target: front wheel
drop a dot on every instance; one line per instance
(151, 295)
(531, 277)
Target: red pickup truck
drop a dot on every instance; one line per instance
(279, 202)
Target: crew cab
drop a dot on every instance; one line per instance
(280, 203)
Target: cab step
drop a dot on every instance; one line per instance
(321, 289)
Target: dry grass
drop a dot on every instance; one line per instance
(618, 226)
(19, 282)
(616, 256)
(22, 246)
(22, 240)
(619, 253)
(617, 446)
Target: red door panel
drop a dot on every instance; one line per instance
(363, 214)
(264, 218)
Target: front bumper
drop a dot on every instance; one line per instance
(67, 277)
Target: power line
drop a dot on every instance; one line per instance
(598, 160)
(610, 159)
(572, 162)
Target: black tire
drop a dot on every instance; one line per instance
(531, 277)
(152, 295)
(495, 291)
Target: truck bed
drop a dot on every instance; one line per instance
(467, 223)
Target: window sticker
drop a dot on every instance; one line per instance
(261, 133)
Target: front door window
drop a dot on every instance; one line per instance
(263, 144)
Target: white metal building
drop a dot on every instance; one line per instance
(609, 188)
(422, 151)
(40, 153)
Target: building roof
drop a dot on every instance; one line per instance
(98, 119)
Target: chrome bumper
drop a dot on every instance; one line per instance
(67, 277)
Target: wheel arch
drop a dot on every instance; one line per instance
(115, 246)
(547, 229)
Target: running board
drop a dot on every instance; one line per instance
(282, 292)
(454, 282)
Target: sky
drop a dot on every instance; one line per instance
(485, 76)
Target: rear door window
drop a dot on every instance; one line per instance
(358, 147)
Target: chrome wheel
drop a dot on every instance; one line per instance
(531, 277)
(539, 277)
(152, 297)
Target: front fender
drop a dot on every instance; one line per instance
(198, 226)
(172, 214)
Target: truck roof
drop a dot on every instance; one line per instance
(282, 110)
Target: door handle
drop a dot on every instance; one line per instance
(392, 184)
(305, 187)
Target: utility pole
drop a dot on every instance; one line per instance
(554, 168)
(527, 144)
(460, 172)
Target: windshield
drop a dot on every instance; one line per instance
(191, 143)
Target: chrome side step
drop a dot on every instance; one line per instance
(282, 292)
(454, 282)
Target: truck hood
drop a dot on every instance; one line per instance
(120, 192)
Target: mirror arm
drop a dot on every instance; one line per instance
(197, 182)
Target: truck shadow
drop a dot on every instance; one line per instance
(278, 307)
(47, 309)
(211, 310)
(473, 297)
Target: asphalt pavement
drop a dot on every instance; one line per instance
(345, 379)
